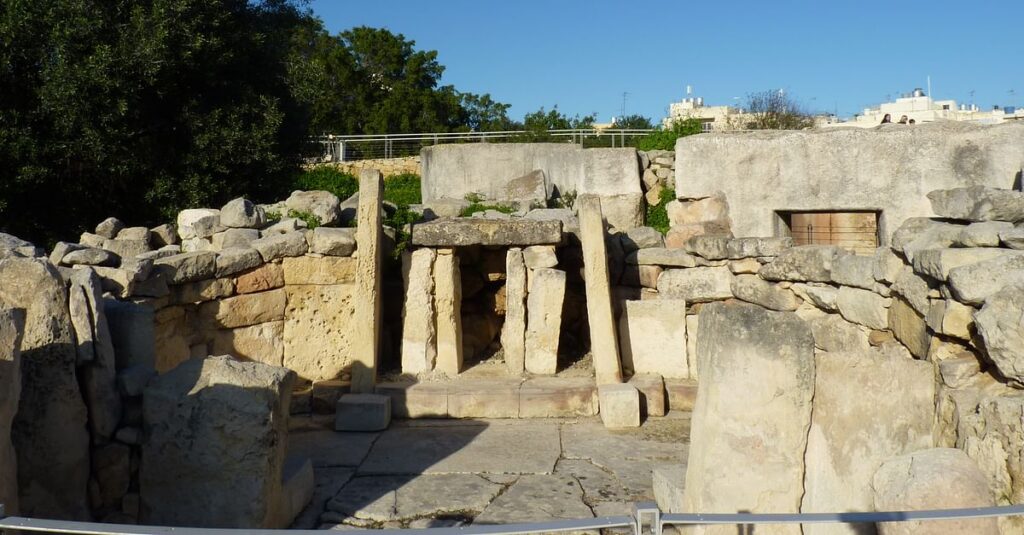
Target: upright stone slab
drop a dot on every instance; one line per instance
(544, 324)
(868, 406)
(603, 340)
(366, 343)
(49, 431)
(217, 431)
(98, 376)
(12, 326)
(448, 306)
(752, 413)
(419, 337)
(652, 335)
(513, 332)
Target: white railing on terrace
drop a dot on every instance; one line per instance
(646, 519)
(339, 148)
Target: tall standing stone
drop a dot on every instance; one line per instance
(544, 324)
(747, 449)
(604, 343)
(513, 333)
(448, 304)
(49, 432)
(419, 337)
(99, 375)
(366, 343)
(12, 325)
(868, 406)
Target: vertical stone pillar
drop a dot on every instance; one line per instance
(604, 345)
(366, 343)
(544, 307)
(513, 333)
(419, 340)
(12, 326)
(448, 303)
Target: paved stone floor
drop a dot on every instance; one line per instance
(433, 473)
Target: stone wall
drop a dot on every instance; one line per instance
(387, 166)
(889, 169)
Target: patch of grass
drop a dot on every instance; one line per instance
(480, 207)
(273, 216)
(327, 178)
(564, 200)
(403, 190)
(309, 219)
(398, 220)
(663, 139)
(657, 215)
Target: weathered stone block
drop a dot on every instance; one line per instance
(937, 263)
(909, 327)
(558, 397)
(236, 259)
(668, 487)
(188, 459)
(448, 307)
(333, 241)
(973, 283)
(982, 234)
(754, 289)
(234, 238)
(806, 263)
(713, 208)
(513, 331)
(999, 324)
(978, 203)
(319, 270)
(323, 204)
(681, 394)
(242, 213)
(244, 310)
(620, 405)
(653, 401)
(544, 320)
(266, 277)
(369, 281)
(281, 245)
(604, 344)
(419, 334)
(757, 247)
(363, 412)
(12, 327)
(491, 398)
(186, 267)
(854, 270)
(660, 256)
(540, 256)
(416, 400)
(696, 285)
(263, 343)
(652, 336)
(823, 297)
(318, 332)
(198, 223)
(477, 231)
(863, 306)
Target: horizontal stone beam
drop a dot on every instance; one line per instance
(475, 231)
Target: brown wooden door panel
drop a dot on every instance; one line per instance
(857, 231)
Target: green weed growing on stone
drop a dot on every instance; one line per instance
(309, 219)
(657, 215)
(665, 139)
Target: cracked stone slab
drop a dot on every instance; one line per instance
(523, 448)
(537, 498)
(327, 448)
(403, 498)
(328, 482)
(599, 485)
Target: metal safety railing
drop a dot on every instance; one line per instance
(343, 148)
(646, 519)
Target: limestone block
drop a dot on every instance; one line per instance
(913, 237)
(909, 328)
(558, 397)
(98, 377)
(513, 331)
(620, 405)
(653, 401)
(863, 306)
(640, 238)
(333, 241)
(709, 247)
(263, 343)
(660, 256)
(982, 234)
(623, 211)
(318, 330)
(198, 223)
(479, 231)
(246, 309)
(957, 320)
(12, 327)
(234, 237)
(868, 407)
(714, 208)
(937, 263)
(109, 227)
(803, 263)
(681, 394)
(696, 285)
(833, 333)
(89, 239)
(280, 245)
(746, 452)
(854, 270)
(640, 276)
(692, 324)
(132, 332)
(603, 340)
(531, 188)
(265, 277)
(978, 203)
(319, 270)
(236, 259)
(91, 256)
(823, 297)
(887, 265)
(196, 474)
(540, 256)
(1012, 237)
(49, 430)
(754, 289)
(999, 325)
(973, 283)
(448, 307)
(913, 288)
(419, 335)
(757, 247)
(323, 204)
(127, 248)
(367, 294)
(652, 335)
(921, 480)
(186, 267)
(957, 372)
(544, 320)
(668, 487)
(201, 291)
(242, 213)
(678, 235)
(489, 398)
(363, 412)
(746, 266)
(161, 235)
(416, 400)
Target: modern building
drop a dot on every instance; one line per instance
(922, 108)
(712, 118)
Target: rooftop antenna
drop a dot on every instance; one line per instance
(1013, 98)
(929, 86)
(971, 93)
(624, 95)
(689, 90)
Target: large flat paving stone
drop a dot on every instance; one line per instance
(517, 447)
(403, 498)
(601, 485)
(537, 498)
(330, 448)
(328, 482)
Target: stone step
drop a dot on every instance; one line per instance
(540, 397)
(682, 394)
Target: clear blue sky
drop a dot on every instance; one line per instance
(830, 54)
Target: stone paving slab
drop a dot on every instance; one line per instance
(330, 448)
(404, 498)
(328, 482)
(537, 498)
(526, 448)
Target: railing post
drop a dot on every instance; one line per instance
(646, 511)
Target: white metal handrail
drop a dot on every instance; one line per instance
(646, 518)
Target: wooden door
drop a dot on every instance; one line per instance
(857, 231)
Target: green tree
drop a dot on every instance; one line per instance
(538, 124)
(483, 114)
(141, 108)
(634, 121)
(775, 110)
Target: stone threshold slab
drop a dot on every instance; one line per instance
(476, 231)
(540, 397)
